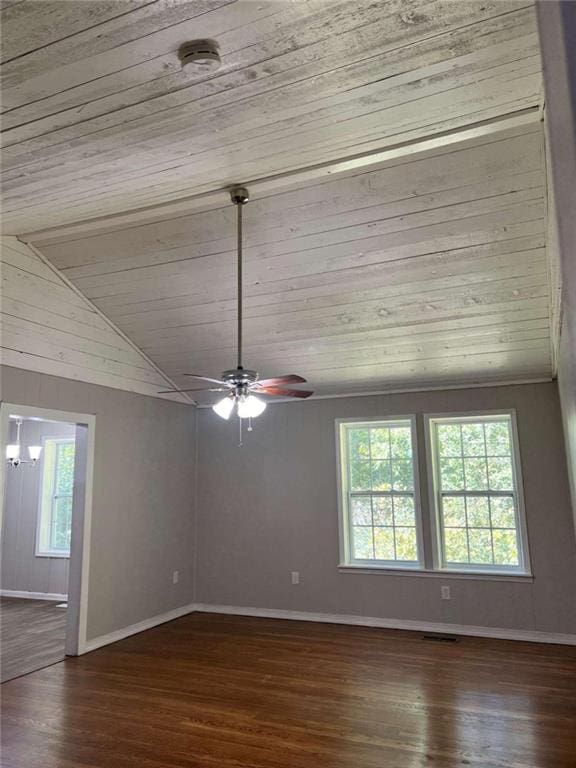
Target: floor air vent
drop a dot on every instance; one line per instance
(441, 638)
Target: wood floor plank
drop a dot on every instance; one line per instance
(209, 690)
(32, 635)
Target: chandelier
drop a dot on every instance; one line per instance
(13, 451)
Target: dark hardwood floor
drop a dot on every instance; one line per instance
(32, 634)
(216, 691)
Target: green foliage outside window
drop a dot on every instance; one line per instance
(477, 493)
(381, 502)
(56, 500)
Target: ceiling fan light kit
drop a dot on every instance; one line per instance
(242, 384)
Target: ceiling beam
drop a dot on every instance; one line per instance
(282, 182)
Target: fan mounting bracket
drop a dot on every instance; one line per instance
(239, 195)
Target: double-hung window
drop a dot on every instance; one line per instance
(478, 518)
(379, 506)
(474, 520)
(55, 512)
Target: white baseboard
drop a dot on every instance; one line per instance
(525, 635)
(34, 595)
(331, 618)
(133, 629)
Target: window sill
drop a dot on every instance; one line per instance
(65, 555)
(437, 574)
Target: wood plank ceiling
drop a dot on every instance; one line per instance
(99, 118)
(428, 269)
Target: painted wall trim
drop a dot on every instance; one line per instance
(34, 595)
(133, 629)
(77, 616)
(524, 635)
(408, 390)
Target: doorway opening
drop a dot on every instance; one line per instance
(47, 479)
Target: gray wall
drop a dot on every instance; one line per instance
(22, 569)
(557, 23)
(144, 490)
(271, 507)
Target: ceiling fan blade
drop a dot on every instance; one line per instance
(278, 381)
(202, 389)
(284, 392)
(204, 378)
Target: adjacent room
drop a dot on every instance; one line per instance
(36, 534)
(288, 383)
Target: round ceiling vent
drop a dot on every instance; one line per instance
(199, 56)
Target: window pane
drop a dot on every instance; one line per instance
(359, 442)
(404, 511)
(449, 440)
(401, 442)
(452, 474)
(61, 523)
(502, 509)
(454, 511)
(473, 440)
(480, 546)
(476, 493)
(380, 492)
(362, 543)
(500, 474)
(65, 469)
(380, 443)
(406, 548)
(382, 510)
(497, 438)
(56, 488)
(381, 476)
(360, 476)
(402, 479)
(456, 545)
(505, 547)
(384, 543)
(478, 511)
(361, 510)
(475, 474)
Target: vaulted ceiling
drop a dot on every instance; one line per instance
(100, 118)
(393, 149)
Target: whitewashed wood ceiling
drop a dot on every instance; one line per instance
(99, 118)
(428, 268)
(431, 270)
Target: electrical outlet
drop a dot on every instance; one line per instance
(445, 593)
(295, 577)
(175, 577)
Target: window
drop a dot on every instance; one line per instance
(57, 482)
(379, 508)
(476, 480)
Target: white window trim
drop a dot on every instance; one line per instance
(524, 568)
(344, 520)
(435, 574)
(41, 551)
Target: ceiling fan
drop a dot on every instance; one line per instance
(243, 385)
